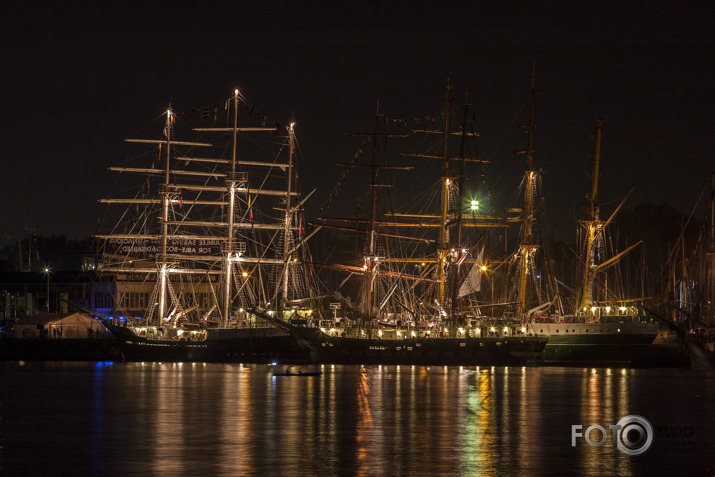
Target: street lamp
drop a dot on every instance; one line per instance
(47, 273)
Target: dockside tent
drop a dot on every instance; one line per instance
(57, 326)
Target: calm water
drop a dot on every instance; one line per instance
(213, 419)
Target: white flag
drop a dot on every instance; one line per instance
(473, 282)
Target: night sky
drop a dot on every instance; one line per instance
(79, 77)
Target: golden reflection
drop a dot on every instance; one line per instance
(169, 425)
(235, 430)
(364, 427)
(604, 394)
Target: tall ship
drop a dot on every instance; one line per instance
(605, 328)
(214, 230)
(412, 270)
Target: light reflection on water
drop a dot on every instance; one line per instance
(213, 419)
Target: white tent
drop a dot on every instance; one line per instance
(56, 326)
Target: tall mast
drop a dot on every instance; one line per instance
(443, 251)
(444, 218)
(371, 259)
(166, 199)
(168, 193)
(458, 255)
(593, 224)
(231, 183)
(527, 248)
(288, 212)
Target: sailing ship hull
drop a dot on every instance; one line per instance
(247, 345)
(602, 344)
(328, 349)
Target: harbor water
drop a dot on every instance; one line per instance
(113, 418)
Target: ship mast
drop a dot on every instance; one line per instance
(442, 251)
(458, 255)
(593, 225)
(371, 260)
(447, 218)
(288, 214)
(166, 199)
(527, 248)
(232, 184)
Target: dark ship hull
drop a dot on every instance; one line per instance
(598, 344)
(497, 351)
(246, 345)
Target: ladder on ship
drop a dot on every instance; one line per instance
(155, 294)
(296, 281)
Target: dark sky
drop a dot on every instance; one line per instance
(80, 77)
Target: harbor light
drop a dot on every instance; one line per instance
(623, 308)
(379, 333)
(506, 330)
(523, 329)
(461, 331)
(475, 205)
(608, 309)
(492, 329)
(593, 309)
(479, 330)
(413, 334)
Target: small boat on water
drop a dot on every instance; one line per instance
(297, 371)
